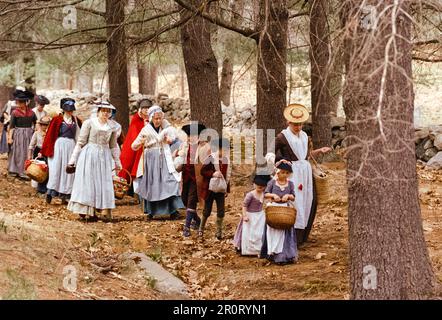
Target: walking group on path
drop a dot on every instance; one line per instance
(166, 172)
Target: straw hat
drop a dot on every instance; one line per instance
(296, 113)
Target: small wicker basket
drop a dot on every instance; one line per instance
(280, 217)
(121, 185)
(37, 170)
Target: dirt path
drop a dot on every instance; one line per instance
(37, 241)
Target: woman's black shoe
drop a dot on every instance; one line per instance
(48, 199)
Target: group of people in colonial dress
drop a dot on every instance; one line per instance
(170, 169)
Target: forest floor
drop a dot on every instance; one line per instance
(37, 242)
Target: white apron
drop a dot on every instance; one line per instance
(302, 175)
(252, 230)
(275, 237)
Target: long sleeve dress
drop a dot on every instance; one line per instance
(159, 186)
(279, 245)
(248, 235)
(93, 184)
(296, 149)
(23, 123)
(58, 146)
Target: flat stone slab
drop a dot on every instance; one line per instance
(165, 282)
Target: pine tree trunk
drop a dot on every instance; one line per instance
(388, 254)
(117, 61)
(5, 94)
(129, 78)
(182, 81)
(320, 83)
(271, 66)
(202, 72)
(225, 89)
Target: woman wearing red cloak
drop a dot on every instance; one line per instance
(130, 158)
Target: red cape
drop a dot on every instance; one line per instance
(47, 149)
(129, 158)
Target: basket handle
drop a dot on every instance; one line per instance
(127, 171)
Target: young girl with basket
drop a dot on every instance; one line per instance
(248, 235)
(35, 148)
(279, 245)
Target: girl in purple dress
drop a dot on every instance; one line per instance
(248, 236)
(279, 246)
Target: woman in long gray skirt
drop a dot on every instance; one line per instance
(58, 146)
(160, 183)
(20, 131)
(96, 148)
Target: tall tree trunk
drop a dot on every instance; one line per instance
(388, 254)
(336, 79)
(271, 81)
(182, 81)
(147, 76)
(5, 94)
(320, 82)
(202, 72)
(225, 89)
(29, 72)
(71, 81)
(117, 61)
(237, 8)
(129, 78)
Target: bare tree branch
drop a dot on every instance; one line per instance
(249, 33)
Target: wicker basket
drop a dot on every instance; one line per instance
(37, 170)
(121, 185)
(280, 217)
(322, 181)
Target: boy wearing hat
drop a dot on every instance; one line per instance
(39, 111)
(191, 156)
(216, 166)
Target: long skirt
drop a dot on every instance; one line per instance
(93, 185)
(19, 150)
(158, 188)
(279, 246)
(60, 182)
(4, 148)
(248, 235)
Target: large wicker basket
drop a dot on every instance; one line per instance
(323, 180)
(37, 170)
(280, 217)
(121, 185)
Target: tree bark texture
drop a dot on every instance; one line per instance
(388, 254)
(321, 98)
(202, 72)
(117, 61)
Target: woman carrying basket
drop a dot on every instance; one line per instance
(93, 185)
(159, 186)
(294, 145)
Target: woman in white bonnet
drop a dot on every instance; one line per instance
(94, 157)
(159, 186)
